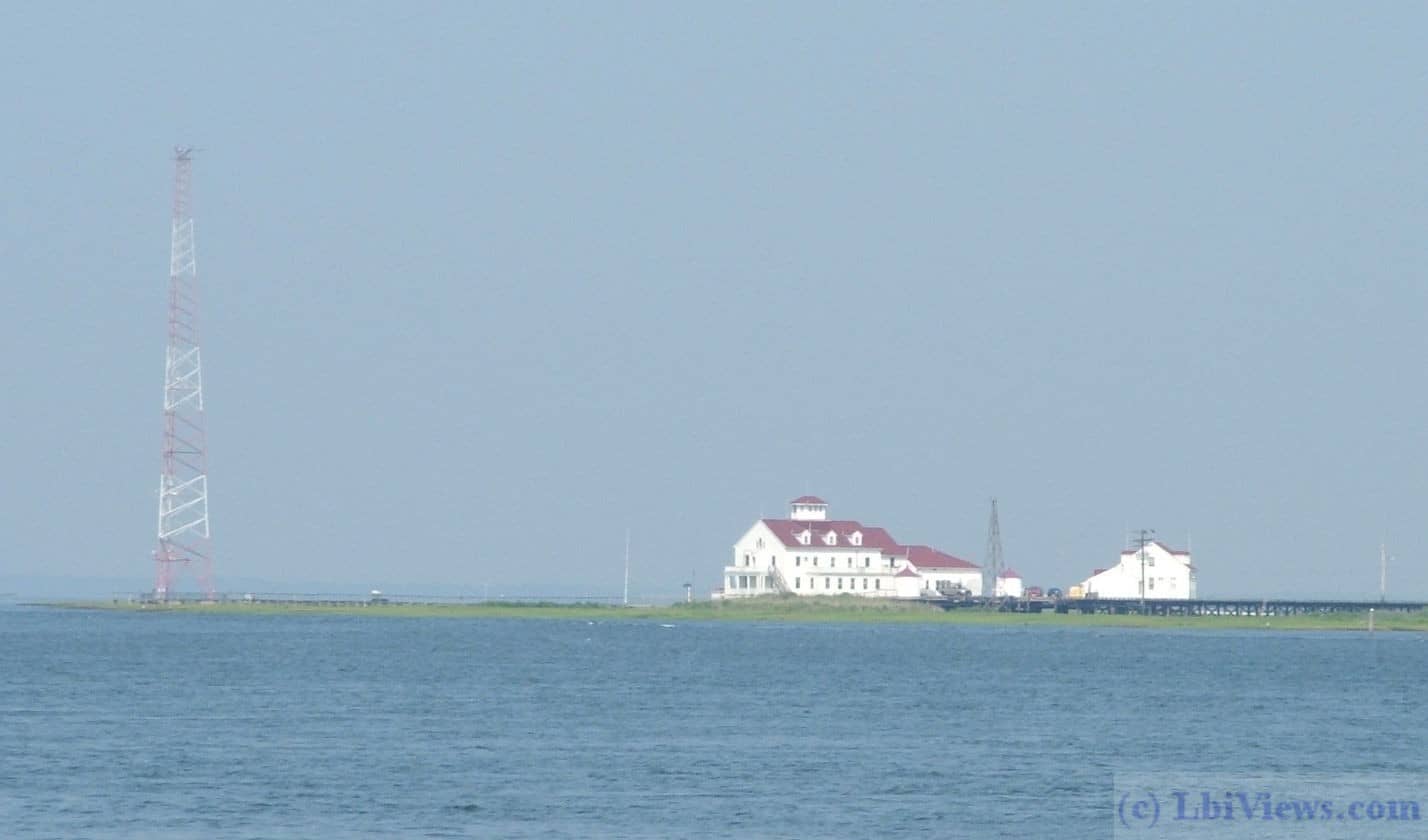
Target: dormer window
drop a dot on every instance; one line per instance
(856, 538)
(830, 538)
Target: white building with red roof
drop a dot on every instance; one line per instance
(1168, 575)
(809, 554)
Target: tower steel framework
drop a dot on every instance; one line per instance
(185, 540)
(993, 567)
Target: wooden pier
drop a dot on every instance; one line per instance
(1230, 606)
(1186, 606)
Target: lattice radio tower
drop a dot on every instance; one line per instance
(993, 567)
(184, 538)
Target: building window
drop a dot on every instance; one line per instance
(798, 583)
(828, 583)
(840, 583)
(797, 561)
(878, 584)
(865, 583)
(867, 561)
(815, 561)
(731, 581)
(850, 562)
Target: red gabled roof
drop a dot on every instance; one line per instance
(787, 530)
(922, 556)
(1163, 547)
(907, 572)
(808, 500)
(927, 557)
(1010, 573)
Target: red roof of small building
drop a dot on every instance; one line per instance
(1167, 549)
(1010, 573)
(927, 557)
(907, 572)
(808, 500)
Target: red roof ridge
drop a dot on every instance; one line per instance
(808, 500)
(873, 536)
(925, 556)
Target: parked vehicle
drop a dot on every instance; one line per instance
(955, 591)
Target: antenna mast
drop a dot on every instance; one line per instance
(993, 568)
(184, 538)
(1145, 537)
(1383, 570)
(626, 599)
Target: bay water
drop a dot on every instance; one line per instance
(172, 725)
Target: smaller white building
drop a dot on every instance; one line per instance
(1167, 574)
(1009, 585)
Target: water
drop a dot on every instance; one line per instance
(178, 726)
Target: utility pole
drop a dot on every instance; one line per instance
(1383, 570)
(1146, 537)
(993, 567)
(184, 537)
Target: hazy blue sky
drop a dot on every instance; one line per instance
(485, 284)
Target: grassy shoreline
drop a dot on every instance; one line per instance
(820, 610)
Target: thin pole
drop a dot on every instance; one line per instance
(626, 599)
(1383, 570)
(1143, 541)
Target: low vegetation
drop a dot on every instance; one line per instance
(790, 609)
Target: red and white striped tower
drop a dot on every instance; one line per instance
(184, 538)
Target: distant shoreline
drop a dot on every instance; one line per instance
(820, 610)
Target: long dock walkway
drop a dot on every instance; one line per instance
(1230, 606)
(1182, 606)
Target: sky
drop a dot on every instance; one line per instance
(486, 285)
